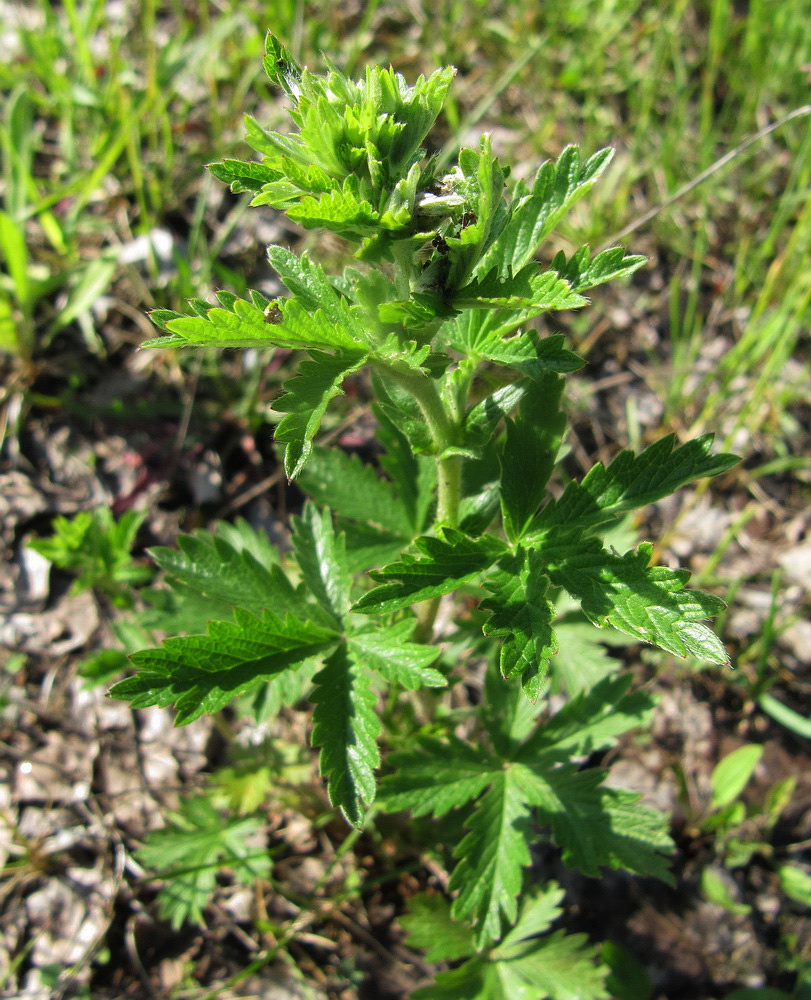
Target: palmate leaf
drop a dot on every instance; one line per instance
(592, 824)
(437, 776)
(190, 852)
(632, 481)
(647, 602)
(524, 966)
(202, 673)
(346, 727)
(445, 774)
(520, 612)
(319, 380)
(445, 562)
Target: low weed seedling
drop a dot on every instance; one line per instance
(438, 314)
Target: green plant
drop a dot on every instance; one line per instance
(440, 313)
(98, 549)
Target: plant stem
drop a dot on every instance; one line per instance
(444, 433)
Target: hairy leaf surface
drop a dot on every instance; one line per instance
(632, 481)
(392, 654)
(304, 403)
(202, 673)
(647, 602)
(346, 727)
(445, 563)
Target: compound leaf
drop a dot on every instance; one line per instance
(437, 776)
(595, 825)
(430, 926)
(190, 852)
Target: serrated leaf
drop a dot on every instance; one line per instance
(437, 776)
(584, 272)
(305, 401)
(243, 175)
(477, 979)
(561, 966)
(321, 555)
(492, 855)
(632, 481)
(540, 907)
(529, 291)
(529, 454)
(483, 191)
(392, 654)
(202, 673)
(522, 967)
(647, 602)
(413, 476)
(346, 727)
(590, 722)
(355, 491)
(520, 612)
(430, 927)
(581, 660)
(595, 825)
(211, 566)
(239, 323)
(444, 563)
(340, 211)
(191, 850)
(555, 190)
(483, 418)
(532, 355)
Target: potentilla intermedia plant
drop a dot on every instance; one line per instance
(436, 315)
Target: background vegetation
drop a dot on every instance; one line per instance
(110, 112)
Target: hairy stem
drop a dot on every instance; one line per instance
(444, 433)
